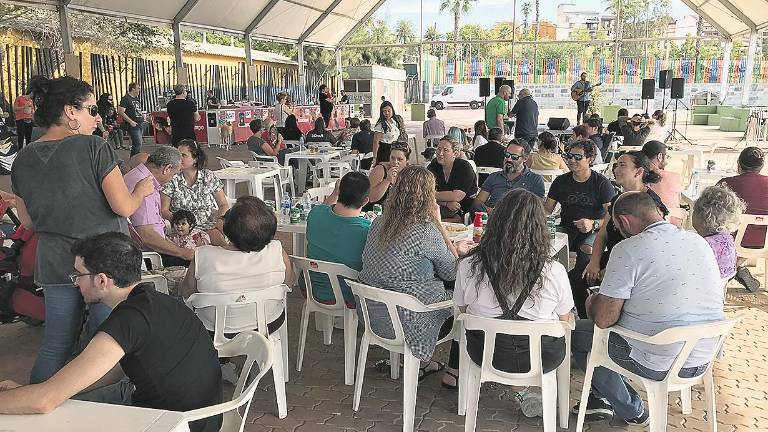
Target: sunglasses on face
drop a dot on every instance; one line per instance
(512, 156)
(93, 110)
(575, 156)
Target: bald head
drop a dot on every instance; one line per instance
(634, 211)
(505, 92)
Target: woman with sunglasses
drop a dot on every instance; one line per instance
(68, 187)
(584, 196)
(384, 174)
(633, 173)
(198, 190)
(548, 155)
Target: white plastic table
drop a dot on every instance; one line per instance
(254, 177)
(298, 232)
(304, 157)
(80, 416)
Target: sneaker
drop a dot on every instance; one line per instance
(642, 420)
(229, 373)
(744, 277)
(530, 403)
(598, 409)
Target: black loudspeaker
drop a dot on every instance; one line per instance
(485, 87)
(665, 79)
(511, 84)
(678, 88)
(649, 85)
(497, 82)
(558, 123)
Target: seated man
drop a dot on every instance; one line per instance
(340, 219)
(581, 133)
(148, 223)
(594, 125)
(584, 196)
(659, 277)
(515, 175)
(162, 347)
(621, 118)
(670, 187)
(490, 154)
(635, 131)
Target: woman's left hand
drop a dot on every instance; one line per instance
(464, 246)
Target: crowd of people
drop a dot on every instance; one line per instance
(93, 222)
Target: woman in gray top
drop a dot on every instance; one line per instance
(409, 251)
(69, 187)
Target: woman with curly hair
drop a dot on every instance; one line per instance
(409, 251)
(510, 275)
(716, 214)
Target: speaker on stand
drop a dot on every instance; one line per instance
(485, 89)
(677, 92)
(665, 81)
(497, 83)
(648, 92)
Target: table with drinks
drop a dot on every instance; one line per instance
(323, 154)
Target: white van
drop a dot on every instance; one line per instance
(459, 95)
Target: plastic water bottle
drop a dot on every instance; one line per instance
(306, 206)
(285, 209)
(301, 143)
(551, 227)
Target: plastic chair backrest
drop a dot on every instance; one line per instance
(533, 329)
(392, 300)
(263, 158)
(332, 270)
(228, 163)
(220, 301)
(320, 193)
(154, 258)
(487, 170)
(257, 349)
(292, 143)
(549, 175)
(689, 336)
(746, 220)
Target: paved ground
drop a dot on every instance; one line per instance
(318, 400)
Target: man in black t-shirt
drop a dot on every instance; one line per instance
(183, 115)
(211, 101)
(490, 154)
(130, 111)
(526, 113)
(162, 347)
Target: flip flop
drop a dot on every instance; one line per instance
(424, 371)
(449, 386)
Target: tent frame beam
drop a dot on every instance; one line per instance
(308, 32)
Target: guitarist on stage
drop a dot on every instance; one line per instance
(581, 92)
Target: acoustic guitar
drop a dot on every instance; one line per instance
(576, 94)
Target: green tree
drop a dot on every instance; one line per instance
(470, 32)
(404, 32)
(457, 7)
(374, 31)
(526, 8)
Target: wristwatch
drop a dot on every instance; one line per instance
(596, 225)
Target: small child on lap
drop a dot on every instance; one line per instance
(186, 234)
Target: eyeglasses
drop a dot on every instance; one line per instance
(74, 276)
(93, 110)
(575, 156)
(512, 156)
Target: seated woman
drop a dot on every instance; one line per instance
(362, 142)
(716, 214)
(196, 189)
(409, 251)
(292, 131)
(252, 260)
(320, 134)
(481, 134)
(351, 127)
(455, 179)
(520, 283)
(548, 156)
(384, 174)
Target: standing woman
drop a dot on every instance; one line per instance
(326, 103)
(68, 186)
(282, 111)
(388, 129)
(198, 190)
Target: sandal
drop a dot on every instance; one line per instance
(451, 386)
(425, 371)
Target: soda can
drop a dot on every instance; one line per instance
(295, 215)
(377, 209)
(271, 204)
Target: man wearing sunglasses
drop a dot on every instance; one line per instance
(584, 196)
(635, 131)
(166, 353)
(515, 175)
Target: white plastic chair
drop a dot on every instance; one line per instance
(393, 301)
(286, 173)
(160, 282)
(549, 175)
(758, 253)
(225, 163)
(320, 193)
(555, 385)
(153, 258)
(326, 172)
(257, 349)
(259, 298)
(339, 309)
(487, 170)
(658, 391)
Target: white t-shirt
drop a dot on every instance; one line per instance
(479, 140)
(657, 133)
(553, 299)
(220, 270)
(391, 135)
(281, 113)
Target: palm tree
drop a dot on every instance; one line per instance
(526, 9)
(457, 7)
(404, 32)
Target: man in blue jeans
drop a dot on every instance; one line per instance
(130, 110)
(659, 277)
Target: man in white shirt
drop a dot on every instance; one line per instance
(659, 277)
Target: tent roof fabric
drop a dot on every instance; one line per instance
(732, 18)
(323, 23)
